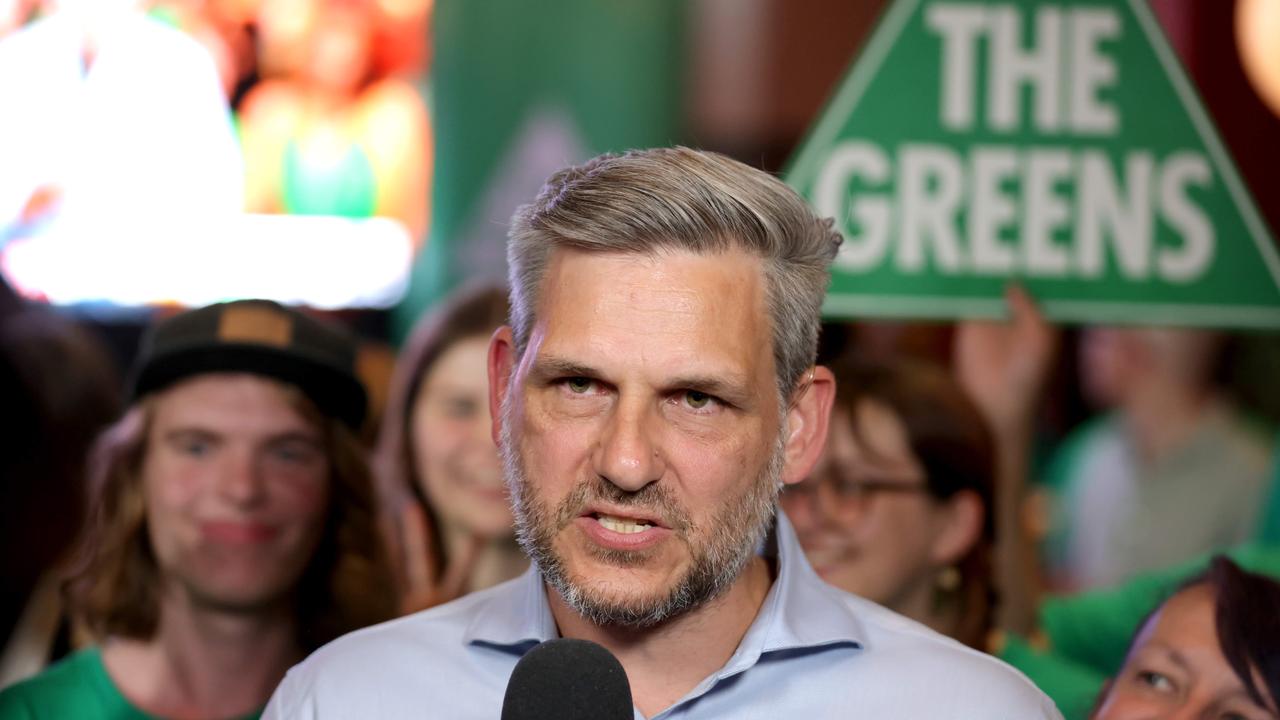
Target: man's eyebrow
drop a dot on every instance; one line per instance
(189, 431)
(185, 431)
(547, 368)
(296, 436)
(731, 388)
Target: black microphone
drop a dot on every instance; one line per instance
(568, 679)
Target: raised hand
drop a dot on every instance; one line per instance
(1004, 364)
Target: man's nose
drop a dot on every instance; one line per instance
(242, 480)
(629, 454)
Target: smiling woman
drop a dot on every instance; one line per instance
(899, 508)
(443, 494)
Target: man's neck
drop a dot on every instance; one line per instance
(664, 663)
(205, 663)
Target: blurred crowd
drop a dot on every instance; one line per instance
(1075, 501)
(943, 493)
(144, 107)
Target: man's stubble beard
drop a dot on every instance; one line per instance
(738, 530)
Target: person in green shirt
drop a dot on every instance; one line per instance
(232, 524)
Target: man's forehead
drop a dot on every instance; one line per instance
(693, 312)
(675, 280)
(241, 401)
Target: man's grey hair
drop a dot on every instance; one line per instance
(678, 199)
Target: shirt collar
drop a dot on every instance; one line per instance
(517, 619)
(800, 612)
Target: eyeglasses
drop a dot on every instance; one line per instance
(847, 495)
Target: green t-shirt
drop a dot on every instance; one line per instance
(1270, 532)
(77, 687)
(1072, 686)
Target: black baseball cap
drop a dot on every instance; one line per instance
(260, 337)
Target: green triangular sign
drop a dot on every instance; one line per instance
(1058, 144)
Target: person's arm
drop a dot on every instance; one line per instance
(1094, 628)
(1003, 366)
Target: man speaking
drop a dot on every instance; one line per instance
(653, 393)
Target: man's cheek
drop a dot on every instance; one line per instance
(174, 485)
(559, 453)
(302, 494)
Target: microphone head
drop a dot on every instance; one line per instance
(569, 680)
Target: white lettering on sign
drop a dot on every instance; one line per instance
(1042, 212)
(1104, 209)
(1092, 70)
(991, 209)
(1045, 212)
(959, 26)
(866, 223)
(1011, 67)
(1061, 59)
(1180, 171)
(928, 198)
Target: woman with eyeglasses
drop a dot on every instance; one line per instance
(904, 511)
(898, 511)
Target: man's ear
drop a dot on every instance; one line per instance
(502, 358)
(962, 517)
(807, 420)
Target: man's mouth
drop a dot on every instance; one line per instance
(623, 525)
(622, 528)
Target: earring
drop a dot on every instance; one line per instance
(945, 586)
(948, 580)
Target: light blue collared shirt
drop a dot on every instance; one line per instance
(812, 652)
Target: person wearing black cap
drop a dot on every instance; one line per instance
(231, 523)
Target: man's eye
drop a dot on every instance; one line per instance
(578, 385)
(194, 448)
(695, 400)
(292, 453)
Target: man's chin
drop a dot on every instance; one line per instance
(636, 593)
(620, 607)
